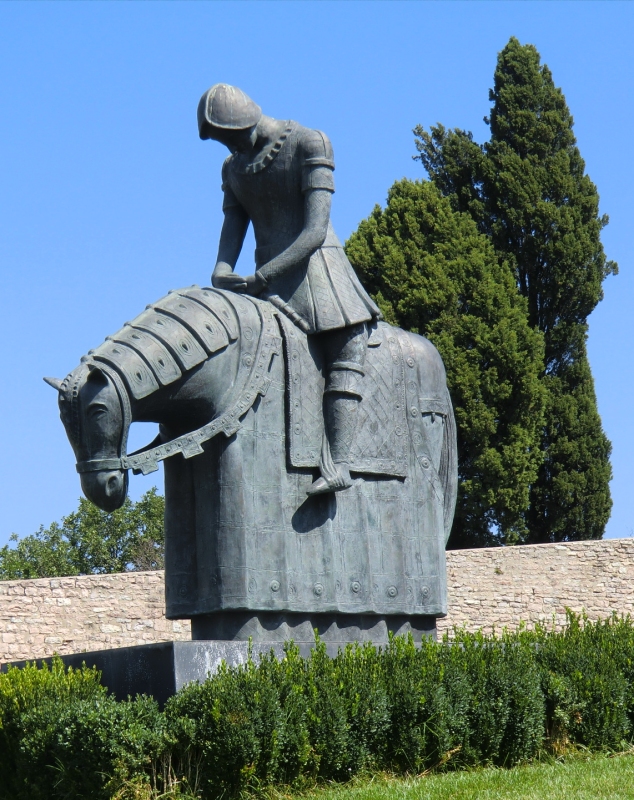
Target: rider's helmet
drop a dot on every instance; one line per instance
(228, 108)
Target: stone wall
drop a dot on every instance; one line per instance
(91, 612)
(493, 587)
(503, 586)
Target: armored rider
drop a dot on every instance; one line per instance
(279, 178)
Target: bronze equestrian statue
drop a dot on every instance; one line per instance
(312, 394)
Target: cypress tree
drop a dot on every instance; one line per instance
(527, 190)
(432, 272)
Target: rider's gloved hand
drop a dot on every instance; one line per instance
(256, 284)
(224, 277)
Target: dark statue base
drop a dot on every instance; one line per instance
(336, 630)
(162, 668)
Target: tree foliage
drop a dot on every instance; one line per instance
(433, 273)
(527, 190)
(90, 541)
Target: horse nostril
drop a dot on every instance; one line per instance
(112, 485)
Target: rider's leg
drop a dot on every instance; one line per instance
(345, 352)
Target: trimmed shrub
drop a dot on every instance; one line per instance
(31, 702)
(230, 734)
(587, 680)
(474, 700)
(500, 705)
(62, 735)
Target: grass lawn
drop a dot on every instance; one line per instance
(592, 778)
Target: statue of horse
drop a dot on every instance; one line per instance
(236, 389)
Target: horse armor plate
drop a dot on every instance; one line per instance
(197, 318)
(181, 342)
(215, 302)
(130, 365)
(159, 358)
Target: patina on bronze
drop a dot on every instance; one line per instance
(272, 394)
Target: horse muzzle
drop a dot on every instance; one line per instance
(107, 489)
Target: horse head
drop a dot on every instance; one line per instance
(189, 344)
(94, 409)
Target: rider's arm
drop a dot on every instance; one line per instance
(234, 229)
(316, 216)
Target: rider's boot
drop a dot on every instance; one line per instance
(341, 403)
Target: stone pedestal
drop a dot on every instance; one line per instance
(162, 668)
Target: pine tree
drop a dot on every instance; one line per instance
(527, 190)
(433, 273)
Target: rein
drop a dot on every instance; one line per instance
(190, 444)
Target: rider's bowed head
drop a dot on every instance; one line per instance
(225, 108)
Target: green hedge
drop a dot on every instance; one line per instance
(477, 701)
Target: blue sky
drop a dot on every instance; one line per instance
(108, 198)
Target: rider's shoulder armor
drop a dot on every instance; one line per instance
(318, 161)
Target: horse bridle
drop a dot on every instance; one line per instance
(147, 459)
(100, 464)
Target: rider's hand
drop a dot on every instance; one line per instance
(225, 278)
(255, 284)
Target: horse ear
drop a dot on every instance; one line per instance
(56, 383)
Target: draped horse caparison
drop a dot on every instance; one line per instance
(237, 391)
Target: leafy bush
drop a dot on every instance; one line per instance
(474, 700)
(62, 735)
(587, 673)
(31, 701)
